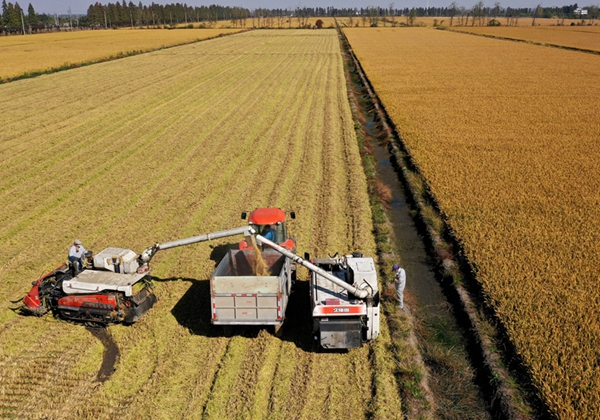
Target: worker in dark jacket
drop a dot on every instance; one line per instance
(400, 282)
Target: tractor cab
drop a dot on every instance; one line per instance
(265, 219)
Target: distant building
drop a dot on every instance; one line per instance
(581, 12)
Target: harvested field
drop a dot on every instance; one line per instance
(40, 52)
(582, 37)
(167, 145)
(510, 153)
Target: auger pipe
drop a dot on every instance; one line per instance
(148, 253)
(359, 293)
(246, 230)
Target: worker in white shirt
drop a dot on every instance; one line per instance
(400, 282)
(76, 253)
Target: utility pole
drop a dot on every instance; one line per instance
(22, 22)
(105, 24)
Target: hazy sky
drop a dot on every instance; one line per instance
(81, 6)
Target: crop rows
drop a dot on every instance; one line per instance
(168, 145)
(508, 146)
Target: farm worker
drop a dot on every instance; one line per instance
(400, 281)
(76, 253)
(269, 233)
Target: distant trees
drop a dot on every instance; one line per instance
(478, 14)
(13, 19)
(452, 10)
(410, 18)
(392, 14)
(113, 15)
(537, 13)
(32, 18)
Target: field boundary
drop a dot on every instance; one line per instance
(509, 395)
(112, 57)
(525, 41)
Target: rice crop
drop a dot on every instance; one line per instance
(581, 37)
(506, 135)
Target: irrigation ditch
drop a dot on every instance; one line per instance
(498, 373)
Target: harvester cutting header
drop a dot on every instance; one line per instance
(250, 285)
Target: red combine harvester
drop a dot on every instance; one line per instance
(113, 286)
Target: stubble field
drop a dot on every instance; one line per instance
(508, 143)
(168, 145)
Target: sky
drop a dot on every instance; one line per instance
(81, 6)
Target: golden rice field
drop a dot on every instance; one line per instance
(506, 135)
(583, 37)
(39, 52)
(167, 145)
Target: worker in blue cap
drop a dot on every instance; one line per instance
(400, 282)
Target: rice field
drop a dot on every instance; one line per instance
(39, 52)
(167, 145)
(506, 135)
(582, 37)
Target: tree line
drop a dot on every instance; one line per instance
(15, 20)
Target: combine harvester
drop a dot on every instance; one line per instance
(344, 297)
(115, 286)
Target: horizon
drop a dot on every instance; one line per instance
(79, 7)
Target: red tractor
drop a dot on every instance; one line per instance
(266, 219)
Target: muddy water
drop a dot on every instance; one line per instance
(110, 356)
